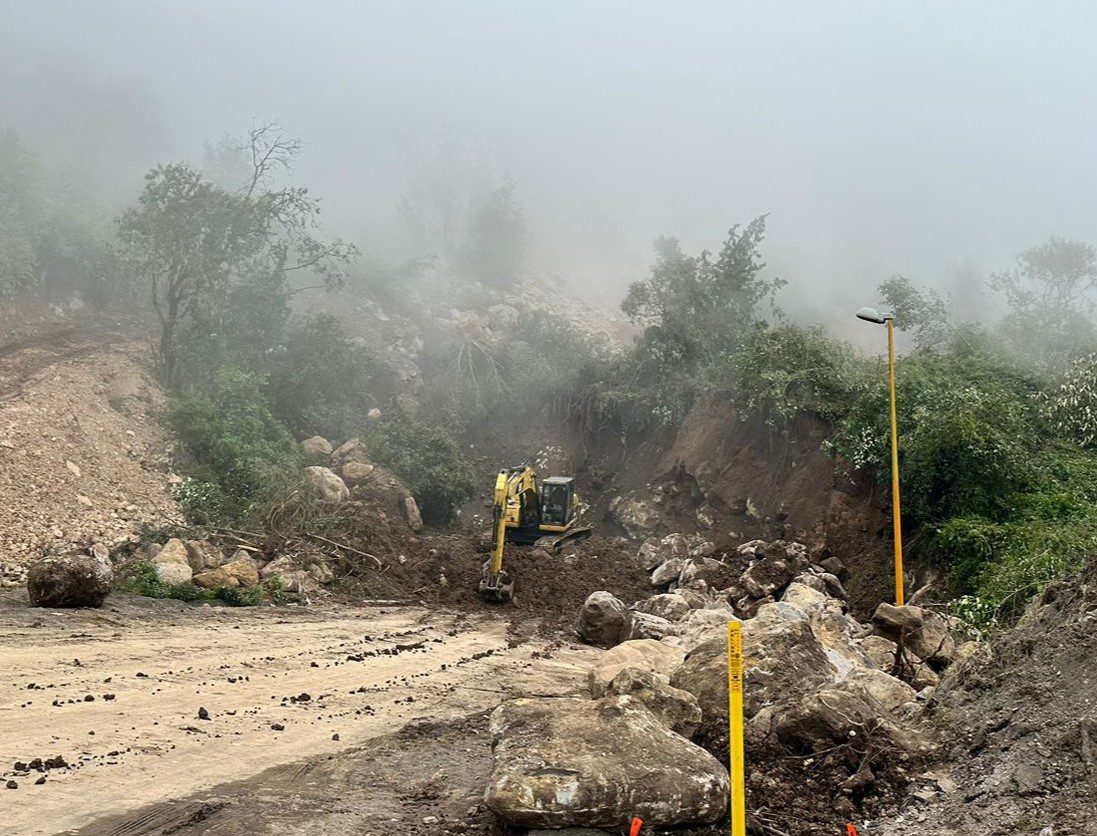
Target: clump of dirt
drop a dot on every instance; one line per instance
(1022, 725)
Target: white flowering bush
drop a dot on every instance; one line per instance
(1071, 407)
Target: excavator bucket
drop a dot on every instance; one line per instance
(498, 589)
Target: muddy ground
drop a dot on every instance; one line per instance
(156, 702)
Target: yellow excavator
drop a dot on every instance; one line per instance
(526, 510)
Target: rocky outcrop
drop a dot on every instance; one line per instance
(598, 763)
(73, 580)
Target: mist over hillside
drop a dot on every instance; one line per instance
(912, 138)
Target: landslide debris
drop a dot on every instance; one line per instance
(833, 707)
(1019, 719)
(83, 459)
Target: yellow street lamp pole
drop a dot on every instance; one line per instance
(871, 315)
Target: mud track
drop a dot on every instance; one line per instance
(118, 694)
(23, 356)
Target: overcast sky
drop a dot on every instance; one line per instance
(897, 136)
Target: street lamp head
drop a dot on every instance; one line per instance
(873, 315)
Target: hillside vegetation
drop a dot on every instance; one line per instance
(998, 418)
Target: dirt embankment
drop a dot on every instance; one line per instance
(1021, 721)
(82, 455)
(733, 478)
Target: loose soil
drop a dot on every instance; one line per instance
(82, 456)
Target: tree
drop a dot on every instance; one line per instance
(921, 311)
(496, 237)
(695, 309)
(190, 240)
(54, 239)
(1049, 299)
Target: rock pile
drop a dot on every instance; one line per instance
(825, 695)
(346, 473)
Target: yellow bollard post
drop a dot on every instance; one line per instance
(735, 729)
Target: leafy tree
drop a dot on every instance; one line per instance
(921, 311)
(53, 238)
(695, 309)
(1049, 299)
(191, 241)
(495, 238)
(1072, 406)
(429, 460)
(229, 430)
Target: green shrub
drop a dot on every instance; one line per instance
(429, 460)
(323, 383)
(233, 438)
(140, 579)
(782, 372)
(967, 433)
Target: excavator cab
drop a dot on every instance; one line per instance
(527, 510)
(557, 501)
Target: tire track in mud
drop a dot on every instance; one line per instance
(148, 706)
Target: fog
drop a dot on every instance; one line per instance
(930, 139)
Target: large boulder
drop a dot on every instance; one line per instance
(712, 572)
(316, 449)
(699, 626)
(243, 570)
(350, 451)
(670, 606)
(923, 632)
(602, 619)
(636, 516)
(73, 580)
(574, 762)
(667, 573)
(327, 483)
(781, 659)
(676, 709)
(203, 555)
(645, 654)
(216, 578)
(173, 551)
(767, 576)
(356, 472)
(641, 625)
(832, 717)
(173, 574)
(657, 550)
(411, 514)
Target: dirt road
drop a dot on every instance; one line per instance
(119, 694)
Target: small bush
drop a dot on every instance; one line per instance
(140, 579)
